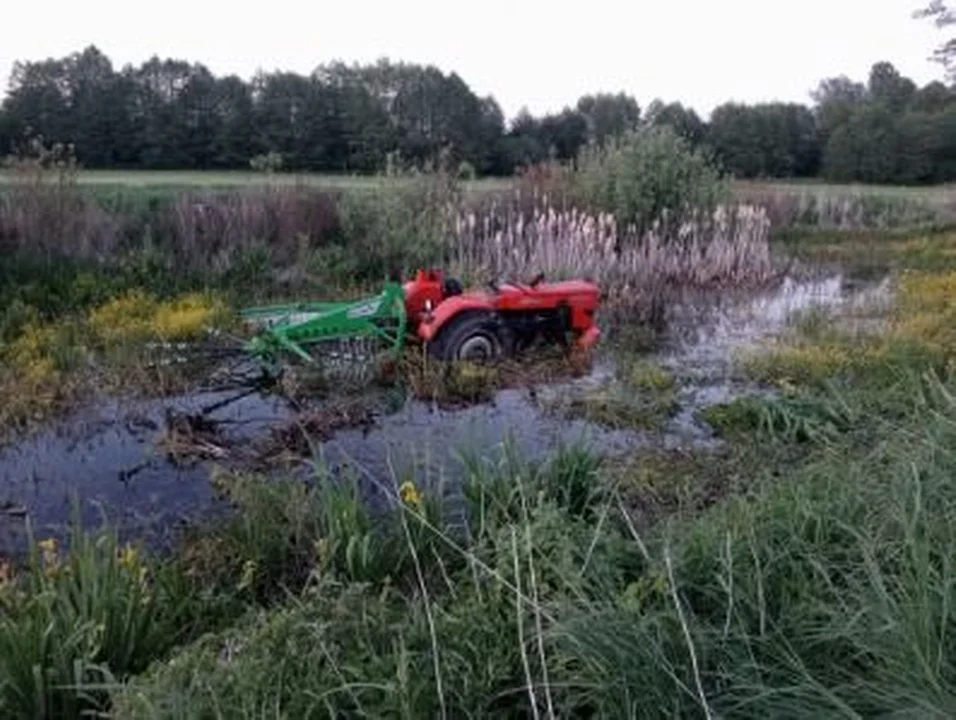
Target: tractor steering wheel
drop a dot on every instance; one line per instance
(537, 280)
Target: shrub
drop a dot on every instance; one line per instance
(398, 225)
(267, 162)
(639, 176)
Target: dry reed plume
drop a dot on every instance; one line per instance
(843, 210)
(730, 246)
(212, 229)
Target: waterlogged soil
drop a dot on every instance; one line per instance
(145, 465)
(710, 334)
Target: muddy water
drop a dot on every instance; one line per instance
(711, 331)
(105, 463)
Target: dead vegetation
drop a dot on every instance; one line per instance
(299, 436)
(191, 437)
(727, 247)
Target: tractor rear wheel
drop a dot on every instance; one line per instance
(470, 337)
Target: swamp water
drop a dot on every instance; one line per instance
(104, 461)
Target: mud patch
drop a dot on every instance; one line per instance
(458, 385)
(299, 436)
(191, 437)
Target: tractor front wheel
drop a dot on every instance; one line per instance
(471, 337)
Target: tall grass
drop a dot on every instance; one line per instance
(828, 592)
(728, 246)
(819, 207)
(72, 624)
(41, 210)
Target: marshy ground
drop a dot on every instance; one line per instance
(743, 508)
(141, 458)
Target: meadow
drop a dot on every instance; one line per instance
(190, 179)
(798, 564)
(193, 179)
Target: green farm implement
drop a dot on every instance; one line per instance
(432, 311)
(341, 328)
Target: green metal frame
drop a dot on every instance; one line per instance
(293, 328)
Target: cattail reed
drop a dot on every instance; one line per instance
(729, 246)
(844, 209)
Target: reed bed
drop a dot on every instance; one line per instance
(823, 208)
(729, 246)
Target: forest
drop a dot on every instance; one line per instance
(173, 114)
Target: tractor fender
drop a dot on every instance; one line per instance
(447, 310)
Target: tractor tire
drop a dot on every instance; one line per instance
(470, 337)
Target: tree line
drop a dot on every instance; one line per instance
(172, 114)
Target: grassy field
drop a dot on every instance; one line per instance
(239, 178)
(931, 192)
(176, 179)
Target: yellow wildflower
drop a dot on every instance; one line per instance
(786, 386)
(185, 317)
(410, 494)
(129, 557)
(321, 549)
(137, 316)
(48, 545)
(248, 574)
(123, 318)
(6, 575)
(49, 556)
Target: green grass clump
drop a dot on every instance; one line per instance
(644, 396)
(74, 624)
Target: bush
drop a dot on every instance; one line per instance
(641, 175)
(397, 226)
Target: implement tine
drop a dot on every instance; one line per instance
(297, 329)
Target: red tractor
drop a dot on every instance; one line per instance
(501, 321)
(454, 325)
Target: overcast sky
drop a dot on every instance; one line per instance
(524, 52)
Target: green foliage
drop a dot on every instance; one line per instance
(398, 226)
(282, 532)
(816, 418)
(351, 119)
(75, 624)
(268, 162)
(639, 177)
(768, 140)
(609, 115)
(684, 121)
(343, 650)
